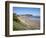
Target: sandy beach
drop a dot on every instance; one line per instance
(31, 24)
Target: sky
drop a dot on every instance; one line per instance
(26, 10)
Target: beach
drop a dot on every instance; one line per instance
(30, 23)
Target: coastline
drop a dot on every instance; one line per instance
(30, 23)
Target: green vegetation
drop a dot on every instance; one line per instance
(17, 25)
(15, 18)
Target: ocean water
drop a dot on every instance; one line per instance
(34, 17)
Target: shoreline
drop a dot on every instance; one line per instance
(30, 23)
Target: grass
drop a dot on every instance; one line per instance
(17, 25)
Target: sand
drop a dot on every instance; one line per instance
(31, 24)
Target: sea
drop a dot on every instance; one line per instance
(34, 17)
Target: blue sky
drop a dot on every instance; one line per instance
(25, 10)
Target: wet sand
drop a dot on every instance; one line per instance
(31, 24)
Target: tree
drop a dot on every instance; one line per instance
(15, 17)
